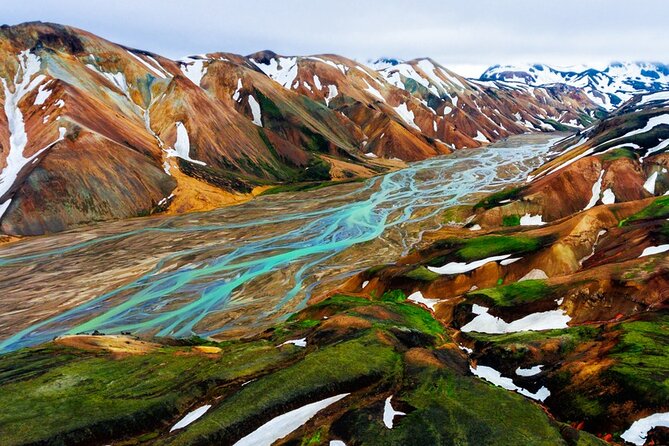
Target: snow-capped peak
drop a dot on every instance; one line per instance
(609, 87)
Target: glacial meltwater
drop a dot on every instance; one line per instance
(236, 270)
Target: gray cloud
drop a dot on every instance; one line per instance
(457, 34)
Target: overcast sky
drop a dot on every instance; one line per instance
(464, 35)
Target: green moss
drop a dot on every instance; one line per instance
(584, 407)
(584, 120)
(341, 302)
(96, 393)
(317, 170)
(657, 209)
(454, 410)
(269, 108)
(315, 142)
(623, 152)
(396, 296)
(306, 323)
(642, 359)
(514, 294)
(313, 440)
(267, 142)
(422, 273)
(587, 439)
(417, 318)
(511, 220)
(492, 245)
(328, 371)
(493, 200)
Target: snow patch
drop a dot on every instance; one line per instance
(194, 70)
(297, 342)
(389, 413)
(419, 299)
(235, 95)
(332, 93)
(317, 82)
(531, 220)
(182, 145)
(282, 70)
(42, 94)
(486, 323)
(480, 137)
(255, 111)
(659, 96)
(116, 79)
(407, 115)
(280, 426)
(153, 69)
(373, 91)
(460, 267)
(652, 250)
(191, 416)
(493, 376)
(596, 191)
(639, 429)
(649, 185)
(529, 372)
(29, 66)
(608, 197)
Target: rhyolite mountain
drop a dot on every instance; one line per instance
(92, 130)
(554, 291)
(609, 87)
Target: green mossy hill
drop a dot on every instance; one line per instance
(632, 372)
(476, 248)
(511, 220)
(593, 370)
(514, 294)
(368, 348)
(642, 359)
(444, 408)
(60, 395)
(493, 245)
(397, 313)
(422, 274)
(516, 347)
(344, 367)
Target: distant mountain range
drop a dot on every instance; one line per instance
(608, 88)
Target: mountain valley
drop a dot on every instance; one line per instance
(309, 250)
